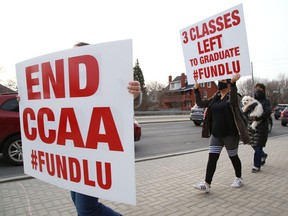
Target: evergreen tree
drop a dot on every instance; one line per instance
(138, 75)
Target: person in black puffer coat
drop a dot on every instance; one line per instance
(260, 135)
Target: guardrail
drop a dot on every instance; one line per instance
(170, 112)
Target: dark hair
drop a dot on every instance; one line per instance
(81, 44)
(260, 85)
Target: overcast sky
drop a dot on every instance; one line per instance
(30, 28)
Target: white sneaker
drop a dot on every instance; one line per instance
(255, 169)
(238, 182)
(202, 186)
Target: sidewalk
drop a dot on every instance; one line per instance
(165, 188)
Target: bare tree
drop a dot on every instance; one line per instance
(8, 83)
(246, 87)
(154, 86)
(276, 90)
(279, 90)
(12, 85)
(155, 93)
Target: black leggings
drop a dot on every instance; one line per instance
(212, 163)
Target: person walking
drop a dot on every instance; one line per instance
(260, 135)
(90, 206)
(225, 127)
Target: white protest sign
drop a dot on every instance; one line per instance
(217, 47)
(76, 119)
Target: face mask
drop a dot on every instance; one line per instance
(259, 94)
(222, 85)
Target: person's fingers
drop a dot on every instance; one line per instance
(134, 86)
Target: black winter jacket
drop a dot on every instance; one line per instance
(234, 106)
(260, 136)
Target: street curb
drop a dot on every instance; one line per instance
(170, 155)
(17, 178)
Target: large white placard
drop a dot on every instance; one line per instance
(77, 120)
(216, 47)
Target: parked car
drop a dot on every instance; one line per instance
(197, 114)
(137, 131)
(10, 138)
(278, 109)
(284, 117)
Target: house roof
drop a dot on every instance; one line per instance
(186, 88)
(4, 89)
(178, 79)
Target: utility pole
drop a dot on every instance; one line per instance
(252, 78)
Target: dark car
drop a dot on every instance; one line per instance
(284, 117)
(197, 115)
(137, 131)
(278, 109)
(10, 139)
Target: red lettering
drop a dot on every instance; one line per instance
(111, 137)
(92, 75)
(56, 82)
(56, 79)
(192, 35)
(50, 167)
(78, 170)
(87, 181)
(74, 169)
(41, 160)
(205, 30)
(227, 20)
(30, 82)
(68, 128)
(219, 23)
(210, 44)
(33, 134)
(50, 138)
(61, 167)
(235, 17)
(212, 26)
(185, 35)
(68, 116)
(108, 175)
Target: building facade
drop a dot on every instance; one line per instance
(178, 95)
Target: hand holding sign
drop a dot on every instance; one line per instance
(134, 88)
(235, 77)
